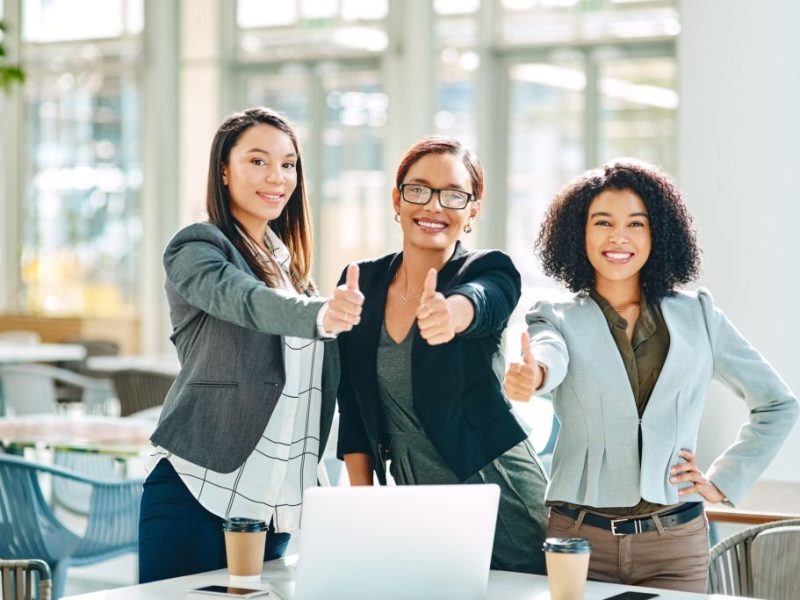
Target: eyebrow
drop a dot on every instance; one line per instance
(450, 186)
(605, 214)
(262, 151)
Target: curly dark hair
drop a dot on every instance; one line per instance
(675, 255)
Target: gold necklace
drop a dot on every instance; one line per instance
(406, 299)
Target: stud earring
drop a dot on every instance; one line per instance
(397, 217)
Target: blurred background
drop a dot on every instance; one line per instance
(104, 145)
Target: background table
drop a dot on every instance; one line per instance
(280, 575)
(11, 353)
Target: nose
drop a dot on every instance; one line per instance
(435, 205)
(619, 236)
(274, 173)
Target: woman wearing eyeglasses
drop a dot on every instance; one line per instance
(421, 375)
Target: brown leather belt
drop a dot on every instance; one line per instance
(633, 525)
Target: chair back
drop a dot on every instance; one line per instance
(18, 581)
(31, 389)
(27, 389)
(30, 527)
(138, 390)
(761, 562)
(775, 563)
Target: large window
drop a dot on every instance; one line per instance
(80, 212)
(319, 63)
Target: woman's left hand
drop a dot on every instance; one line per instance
(689, 471)
(439, 319)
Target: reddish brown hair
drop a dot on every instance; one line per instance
(438, 144)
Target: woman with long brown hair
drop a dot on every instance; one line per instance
(247, 419)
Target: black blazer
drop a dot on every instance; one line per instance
(457, 386)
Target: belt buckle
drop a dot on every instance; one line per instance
(614, 526)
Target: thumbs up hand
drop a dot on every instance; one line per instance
(344, 307)
(435, 317)
(524, 378)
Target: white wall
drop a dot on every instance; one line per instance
(738, 163)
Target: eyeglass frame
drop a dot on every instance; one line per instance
(438, 192)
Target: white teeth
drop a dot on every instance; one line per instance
(618, 255)
(431, 225)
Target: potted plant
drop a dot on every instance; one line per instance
(9, 74)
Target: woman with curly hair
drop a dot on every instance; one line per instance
(628, 361)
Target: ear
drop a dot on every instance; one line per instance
(475, 209)
(396, 200)
(224, 174)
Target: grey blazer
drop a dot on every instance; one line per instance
(595, 462)
(227, 327)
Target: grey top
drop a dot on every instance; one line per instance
(415, 460)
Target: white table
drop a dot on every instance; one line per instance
(11, 353)
(280, 575)
(166, 364)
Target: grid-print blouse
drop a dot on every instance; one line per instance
(270, 483)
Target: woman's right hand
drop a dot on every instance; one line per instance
(523, 379)
(344, 307)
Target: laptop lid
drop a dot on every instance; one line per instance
(396, 542)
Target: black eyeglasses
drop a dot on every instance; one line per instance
(416, 193)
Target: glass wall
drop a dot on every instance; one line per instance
(81, 214)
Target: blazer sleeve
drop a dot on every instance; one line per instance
(548, 344)
(198, 265)
(773, 407)
(352, 432)
(494, 288)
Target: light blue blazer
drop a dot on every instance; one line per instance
(596, 462)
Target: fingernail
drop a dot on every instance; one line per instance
(673, 479)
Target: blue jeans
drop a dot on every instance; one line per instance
(177, 536)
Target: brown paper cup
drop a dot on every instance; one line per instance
(244, 547)
(567, 567)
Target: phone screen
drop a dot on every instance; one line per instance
(632, 596)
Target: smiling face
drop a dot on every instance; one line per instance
(430, 226)
(261, 176)
(618, 237)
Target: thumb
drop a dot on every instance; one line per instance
(352, 277)
(429, 289)
(527, 355)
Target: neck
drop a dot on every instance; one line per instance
(619, 293)
(255, 228)
(418, 261)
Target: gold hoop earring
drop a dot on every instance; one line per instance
(468, 227)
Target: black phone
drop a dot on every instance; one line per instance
(632, 596)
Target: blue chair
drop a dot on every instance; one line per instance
(30, 527)
(16, 578)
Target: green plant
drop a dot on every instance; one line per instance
(9, 74)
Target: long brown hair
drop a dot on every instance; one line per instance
(293, 226)
(440, 144)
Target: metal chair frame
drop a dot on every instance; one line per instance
(17, 579)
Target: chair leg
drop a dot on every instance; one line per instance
(59, 571)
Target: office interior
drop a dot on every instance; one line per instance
(105, 146)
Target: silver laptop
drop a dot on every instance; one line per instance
(396, 542)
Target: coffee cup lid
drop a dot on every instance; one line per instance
(567, 545)
(244, 524)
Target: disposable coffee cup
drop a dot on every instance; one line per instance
(567, 567)
(244, 546)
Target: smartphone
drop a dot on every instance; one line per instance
(632, 596)
(230, 592)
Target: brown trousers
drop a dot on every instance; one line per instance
(674, 558)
